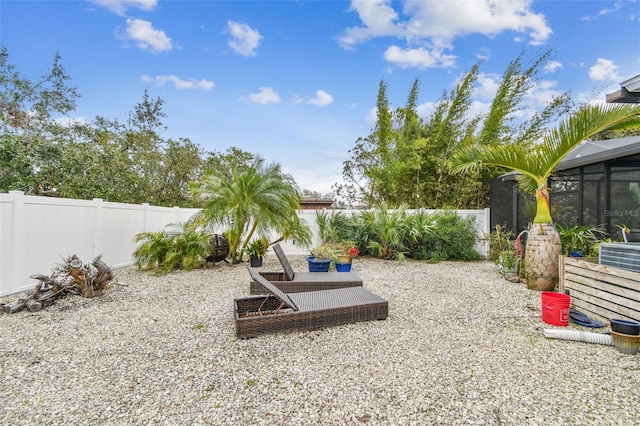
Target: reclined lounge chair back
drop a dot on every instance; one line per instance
(288, 269)
(273, 290)
(297, 282)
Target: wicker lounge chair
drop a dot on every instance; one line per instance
(281, 312)
(290, 281)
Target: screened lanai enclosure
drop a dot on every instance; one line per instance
(597, 184)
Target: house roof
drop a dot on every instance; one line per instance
(590, 152)
(629, 92)
(593, 152)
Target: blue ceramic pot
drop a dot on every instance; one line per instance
(343, 267)
(318, 265)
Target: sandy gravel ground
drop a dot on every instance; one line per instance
(461, 346)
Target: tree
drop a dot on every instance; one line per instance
(405, 159)
(224, 162)
(258, 198)
(535, 165)
(29, 154)
(41, 154)
(133, 163)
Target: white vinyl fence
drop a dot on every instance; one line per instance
(36, 233)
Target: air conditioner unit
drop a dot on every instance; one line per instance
(621, 255)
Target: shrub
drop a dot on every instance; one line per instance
(398, 233)
(499, 241)
(177, 247)
(452, 238)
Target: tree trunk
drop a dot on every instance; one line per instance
(541, 257)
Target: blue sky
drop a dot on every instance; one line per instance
(296, 81)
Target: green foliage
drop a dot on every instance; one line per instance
(258, 247)
(389, 231)
(338, 227)
(499, 241)
(255, 198)
(324, 252)
(507, 262)
(453, 238)
(177, 247)
(406, 158)
(578, 238)
(399, 233)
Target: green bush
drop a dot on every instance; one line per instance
(499, 241)
(398, 233)
(453, 238)
(177, 247)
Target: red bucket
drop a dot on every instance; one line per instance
(555, 308)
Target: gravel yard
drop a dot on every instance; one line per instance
(461, 346)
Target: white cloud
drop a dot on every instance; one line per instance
(245, 40)
(322, 99)
(432, 26)
(542, 93)
(487, 86)
(264, 96)
(147, 37)
(607, 10)
(418, 58)
(425, 109)
(119, 7)
(604, 69)
(379, 19)
(552, 66)
(179, 83)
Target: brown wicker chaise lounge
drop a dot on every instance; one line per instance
(280, 312)
(290, 281)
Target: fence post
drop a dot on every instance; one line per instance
(145, 219)
(487, 229)
(17, 258)
(98, 236)
(176, 212)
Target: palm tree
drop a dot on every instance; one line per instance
(258, 198)
(534, 165)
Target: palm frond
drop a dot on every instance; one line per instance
(538, 162)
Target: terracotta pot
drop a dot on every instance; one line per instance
(344, 258)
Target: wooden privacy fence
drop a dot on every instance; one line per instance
(36, 233)
(600, 291)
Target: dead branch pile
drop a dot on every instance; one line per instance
(70, 277)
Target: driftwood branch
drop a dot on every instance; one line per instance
(70, 277)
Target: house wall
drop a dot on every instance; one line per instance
(36, 233)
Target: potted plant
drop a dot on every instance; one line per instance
(257, 250)
(345, 256)
(321, 258)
